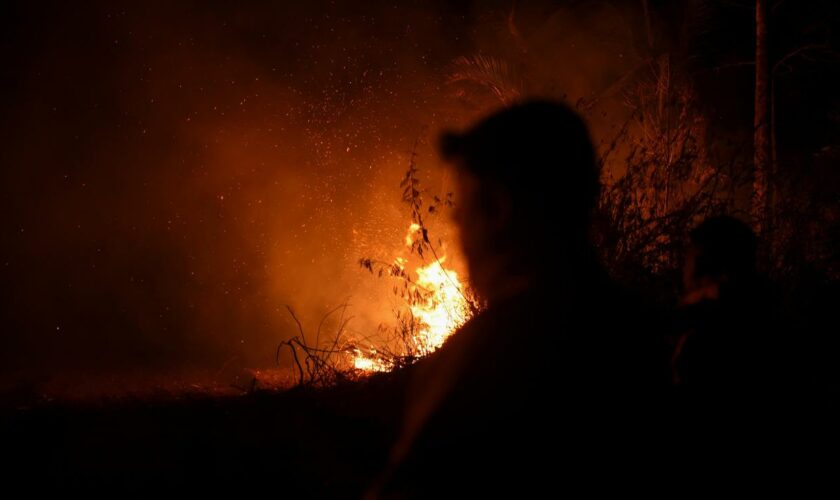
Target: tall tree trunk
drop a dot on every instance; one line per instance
(648, 28)
(761, 123)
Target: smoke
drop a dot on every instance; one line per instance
(173, 175)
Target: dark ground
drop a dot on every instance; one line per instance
(302, 443)
(331, 443)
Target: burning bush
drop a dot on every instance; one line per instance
(433, 303)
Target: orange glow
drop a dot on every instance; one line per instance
(440, 308)
(368, 362)
(444, 310)
(412, 230)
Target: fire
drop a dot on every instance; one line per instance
(439, 309)
(413, 229)
(444, 310)
(369, 363)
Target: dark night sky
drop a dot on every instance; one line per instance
(171, 173)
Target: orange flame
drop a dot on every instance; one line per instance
(368, 362)
(441, 311)
(444, 310)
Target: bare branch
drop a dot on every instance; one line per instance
(796, 52)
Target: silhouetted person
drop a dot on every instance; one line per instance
(546, 384)
(737, 396)
(729, 332)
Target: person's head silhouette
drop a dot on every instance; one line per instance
(721, 254)
(527, 185)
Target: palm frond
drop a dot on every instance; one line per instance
(492, 73)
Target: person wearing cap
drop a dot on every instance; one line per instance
(729, 331)
(548, 376)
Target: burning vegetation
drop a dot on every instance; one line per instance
(432, 302)
(665, 166)
(206, 204)
(290, 140)
(437, 305)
